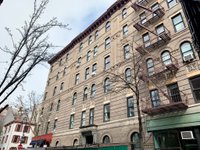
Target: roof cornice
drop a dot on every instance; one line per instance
(105, 16)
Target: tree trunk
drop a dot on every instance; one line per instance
(141, 139)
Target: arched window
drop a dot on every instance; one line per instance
(64, 71)
(61, 86)
(93, 90)
(88, 55)
(80, 47)
(106, 139)
(58, 106)
(74, 98)
(90, 39)
(75, 143)
(128, 76)
(150, 66)
(54, 90)
(85, 94)
(187, 51)
(135, 140)
(166, 58)
(96, 34)
(124, 13)
(107, 26)
(106, 85)
(57, 142)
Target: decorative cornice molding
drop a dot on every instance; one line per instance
(105, 16)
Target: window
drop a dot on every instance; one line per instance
(124, 13)
(90, 39)
(150, 66)
(47, 127)
(18, 127)
(93, 90)
(75, 143)
(55, 124)
(26, 129)
(155, 98)
(130, 106)
(94, 69)
(58, 106)
(54, 90)
(88, 55)
(9, 128)
(67, 57)
(171, 3)
(51, 107)
(160, 29)
(128, 75)
(65, 71)
(83, 119)
(15, 138)
(106, 139)
(106, 113)
(154, 7)
(61, 86)
(57, 76)
(135, 140)
(125, 30)
(107, 62)
(51, 69)
(107, 43)
(87, 73)
(80, 47)
(178, 22)
(60, 63)
(126, 51)
(74, 98)
(174, 93)
(2, 140)
(71, 124)
(78, 62)
(187, 51)
(42, 111)
(96, 34)
(85, 94)
(95, 50)
(166, 58)
(143, 18)
(91, 119)
(146, 39)
(6, 138)
(107, 26)
(77, 78)
(195, 84)
(106, 85)
(24, 139)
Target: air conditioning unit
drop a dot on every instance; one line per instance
(188, 57)
(77, 65)
(93, 73)
(185, 135)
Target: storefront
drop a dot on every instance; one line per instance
(176, 131)
(42, 140)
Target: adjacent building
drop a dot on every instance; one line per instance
(80, 107)
(15, 131)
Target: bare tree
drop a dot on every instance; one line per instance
(28, 51)
(131, 82)
(29, 107)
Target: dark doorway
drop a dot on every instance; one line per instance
(89, 139)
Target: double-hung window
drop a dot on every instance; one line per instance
(130, 107)
(107, 62)
(91, 119)
(178, 22)
(106, 111)
(155, 99)
(83, 119)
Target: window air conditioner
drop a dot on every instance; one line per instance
(185, 135)
(93, 73)
(77, 65)
(188, 57)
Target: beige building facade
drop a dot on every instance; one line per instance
(79, 106)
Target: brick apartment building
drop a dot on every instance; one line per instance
(79, 107)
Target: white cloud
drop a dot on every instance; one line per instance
(78, 14)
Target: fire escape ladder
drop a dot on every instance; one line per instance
(145, 8)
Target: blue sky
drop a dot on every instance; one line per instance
(78, 14)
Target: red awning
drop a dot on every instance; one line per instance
(46, 137)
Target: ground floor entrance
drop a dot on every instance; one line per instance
(178, 139)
